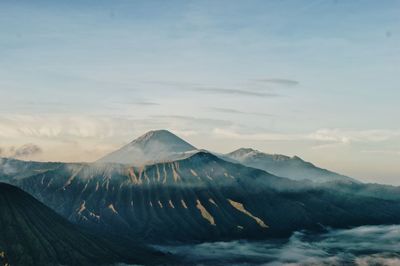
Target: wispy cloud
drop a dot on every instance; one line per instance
(27, 150)
(235, 111)
(278, 81)
(262, 136)
(24, 151)
(169, 83)
(202, 120)
(348, 136)
(384, 152)
(325, 138)
(142, 103)
(235, 92)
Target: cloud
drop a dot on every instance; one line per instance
(103, 129)
(323, 138)
(60, 126)
(180, 84)
(277, 81)
(24, 151)
(348, 136)
(84, 137)
(263, 136)
(385, 152)
(198, 120)
(235, 92)
(27, 150)
(143, 103)
(365, 245)
(235, 111)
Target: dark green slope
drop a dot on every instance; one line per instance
(200, 198)
(32, 234)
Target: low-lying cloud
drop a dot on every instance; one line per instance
(366, 245)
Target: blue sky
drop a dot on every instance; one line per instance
(318, 79)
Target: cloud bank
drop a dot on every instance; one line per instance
(361, 246)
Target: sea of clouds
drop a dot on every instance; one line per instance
(365, 245)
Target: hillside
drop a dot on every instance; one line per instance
(33, 234)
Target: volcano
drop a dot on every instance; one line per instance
(153, 147)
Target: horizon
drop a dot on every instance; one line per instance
(30, 150)
(21, 158)
(315, 79)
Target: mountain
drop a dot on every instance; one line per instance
(16, 169)
(163, 146)
(199, 198)
(154, 146)
(281, 165)
(33, 234)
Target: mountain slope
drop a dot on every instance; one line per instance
(291, 167)
(32, 234)
(154, 146)
(16, 169)
(201, 197)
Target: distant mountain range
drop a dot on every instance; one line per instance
(201, 197)
(163, 146)
(281, 165)
(159, 188)
(33, 234)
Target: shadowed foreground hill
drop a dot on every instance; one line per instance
(32, 234)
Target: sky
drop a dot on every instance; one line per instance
(312, 78)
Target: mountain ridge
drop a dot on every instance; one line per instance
(282, 165)
(163, 146)
(201, 198)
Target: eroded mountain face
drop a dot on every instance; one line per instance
(201, 197)
(160, 188)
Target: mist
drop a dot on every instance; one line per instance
(365, 245)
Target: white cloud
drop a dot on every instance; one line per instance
(387, 152)
(362, 246)
(227, 133)
(60, 126)
(23, 152)
(324, 136)
(348, 136)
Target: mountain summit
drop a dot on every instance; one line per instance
(152, 147)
